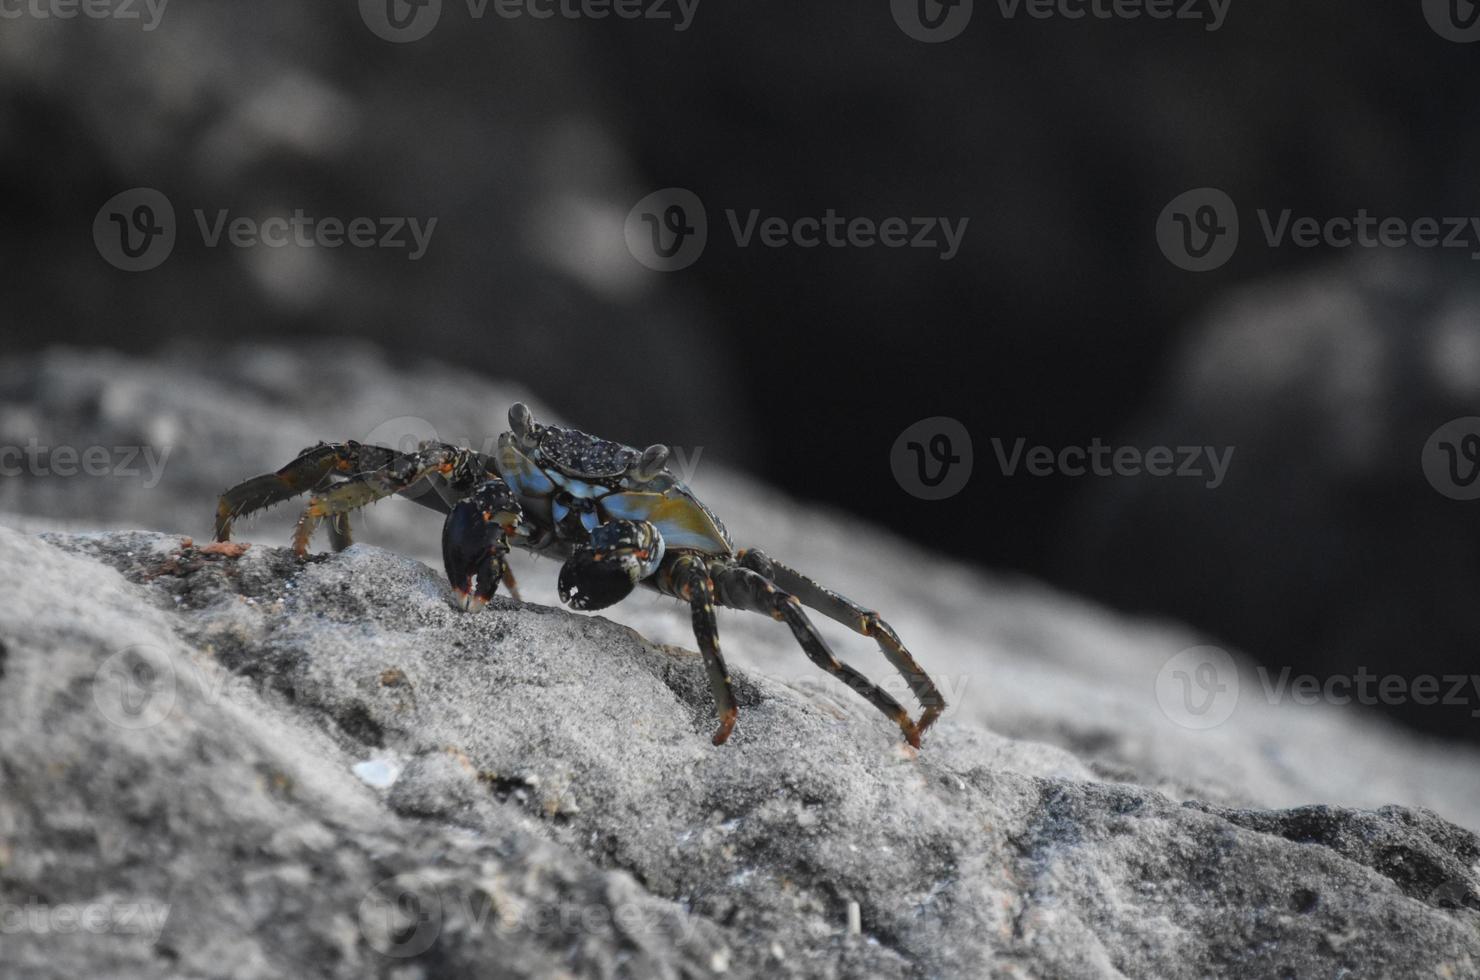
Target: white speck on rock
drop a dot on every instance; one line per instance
(380, 773)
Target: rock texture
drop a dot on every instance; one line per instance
(243, 764)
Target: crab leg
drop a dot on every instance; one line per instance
(744, 588)
(859, 619)
(308, 471)
(400, 475)
(690, 578)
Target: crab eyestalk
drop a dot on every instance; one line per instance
(475, 544)
(650, 463)
(522, 424)
(605, 570)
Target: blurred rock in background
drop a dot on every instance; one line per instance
(1326, 548)
(266, 109)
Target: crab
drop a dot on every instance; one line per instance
(615, 516)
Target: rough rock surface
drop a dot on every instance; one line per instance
(255, 766)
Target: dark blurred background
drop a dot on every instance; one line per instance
(1059, 321)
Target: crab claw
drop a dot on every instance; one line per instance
(475, 545)
(605, 570)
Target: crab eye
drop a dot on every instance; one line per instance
(522, 424)
(650, 463)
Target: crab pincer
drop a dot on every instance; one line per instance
(475, 545)
(604, 571)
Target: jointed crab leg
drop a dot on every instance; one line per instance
(744, 588)
(308, 472)
(861, 620)
(690, 578)
(399, 475)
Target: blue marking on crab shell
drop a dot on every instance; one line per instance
(522, 475)
(576, 487)
(589, 519)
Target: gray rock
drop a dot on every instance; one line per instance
(250, 765)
